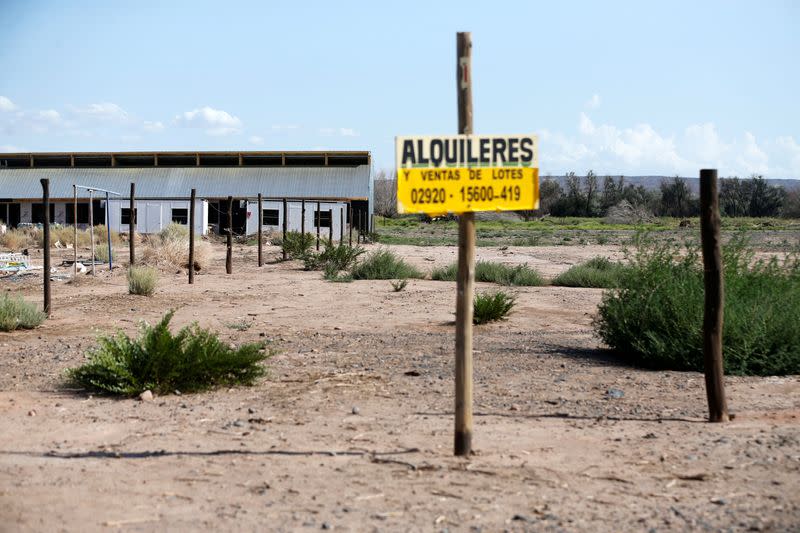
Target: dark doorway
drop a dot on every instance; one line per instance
(239, 213)
(99, 214)
(239, 217)
(10, 214)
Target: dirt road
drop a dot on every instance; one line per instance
(352, 430)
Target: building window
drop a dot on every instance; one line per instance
(37, 213)
(180, 215)
(324, 218)
(83, 213)
(270, 217)
(125, 216)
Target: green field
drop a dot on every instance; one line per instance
(766, 233)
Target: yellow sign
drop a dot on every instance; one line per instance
(461, 173)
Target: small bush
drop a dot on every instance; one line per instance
(297, 245)
(399, 285)
(656, 318)
(598, 272)
(384, 264)
(16, 313)
(447, 273)
(192, 360)
(487, 271)
(488, 307)
(101, 253)
(335, 257)
(18, 239)
(174, 232)
(336, 276)
(142, 280)
(169, 249)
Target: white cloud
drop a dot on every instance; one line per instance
(152, 127)
(102, 111)
(285, 127)
(593, 102)
(213, 121)
(255, 139)
(343, 132)
(10, 148)
(6, 104)
(641, 149)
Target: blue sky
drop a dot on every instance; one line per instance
(617, 87)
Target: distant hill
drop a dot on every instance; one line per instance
(653, 182)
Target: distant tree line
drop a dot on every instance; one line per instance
(585, 197)
(589, 196)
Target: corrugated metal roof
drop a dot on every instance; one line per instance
(177, 182)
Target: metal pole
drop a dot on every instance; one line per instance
(330, 227)
(46, 243)
(108, 232)
(466, 264)
(714, 296)
(91, 225)
(74, 231)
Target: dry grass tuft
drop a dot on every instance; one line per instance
(169, 249)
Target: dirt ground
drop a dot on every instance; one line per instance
(353, 428)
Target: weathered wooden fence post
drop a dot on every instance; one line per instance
(318, 218)
(132, 226)
(260, 235)
(341, 225)
(229, 254)
(46, 244)
(303, 217)
(285, 223)
(350, 212)
(191, 235)
(714, 296)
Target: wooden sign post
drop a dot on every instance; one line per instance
(132, 225)
(466, 263)
(463, 174)
(46, 244)
(260, 231)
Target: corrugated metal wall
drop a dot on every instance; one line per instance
(177, 182)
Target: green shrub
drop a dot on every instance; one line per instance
(598, 272)
(384, 264)
(142, 280)
(491, 272)
(16, 313)
(174, 232)
(297, 245)
(399, 285)
(192, 360)
(335, 257)
(656, 318)
(332, 274)
(101, 253)
(448, 273)
(488, 307)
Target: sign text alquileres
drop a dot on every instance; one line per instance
(460, 173)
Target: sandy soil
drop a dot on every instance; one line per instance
(353, 428)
